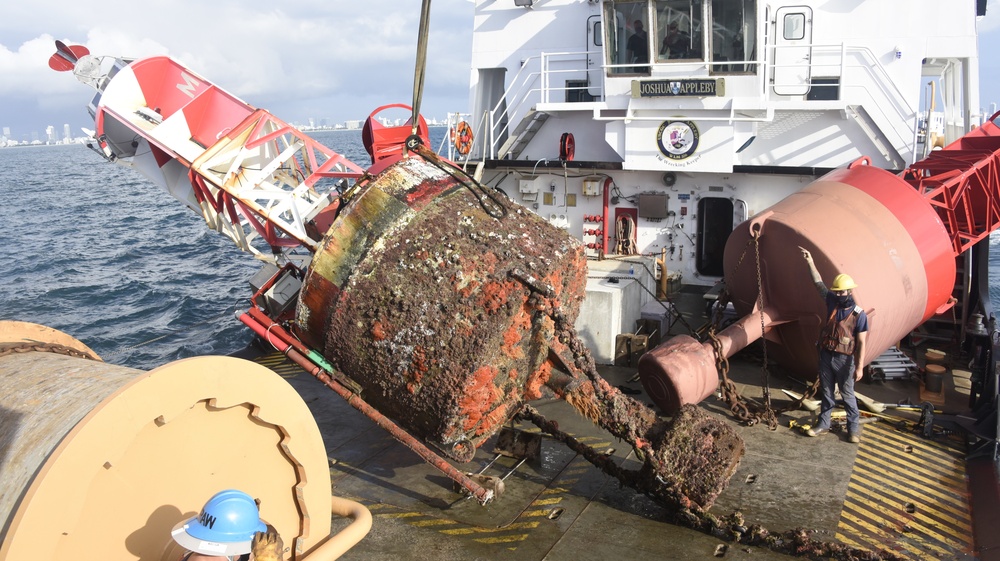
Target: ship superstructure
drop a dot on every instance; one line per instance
(657, 126)
(663, 134)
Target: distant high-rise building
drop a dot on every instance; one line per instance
(66, 135)
(6, 132)
(50, 134)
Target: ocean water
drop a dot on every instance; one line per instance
(98, 252)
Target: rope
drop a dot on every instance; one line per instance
(421, 64)
(625, 234)
(478, 190)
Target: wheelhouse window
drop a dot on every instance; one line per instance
(679, 30)
(721, 33)
(628, 43)
(734, 35)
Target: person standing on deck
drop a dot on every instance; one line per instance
(841, 350)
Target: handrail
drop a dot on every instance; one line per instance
(534, 80)
(530, 82)
(337, 544)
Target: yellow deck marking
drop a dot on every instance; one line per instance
(480, 530)
(540, 502)
(890, 490)
(278, 363)
(919, 522)
(504, 539)
(950, 493)
(932, 463)
(401, 514)
(886, 479)
(431, 522)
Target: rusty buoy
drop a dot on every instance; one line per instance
(430, 291)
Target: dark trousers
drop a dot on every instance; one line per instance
(837, 369)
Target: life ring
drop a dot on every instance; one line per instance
(567, 147)
(462, 137)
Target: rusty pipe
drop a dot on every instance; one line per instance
(339, 543)
(276, 336)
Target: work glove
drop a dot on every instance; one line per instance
(267, 546)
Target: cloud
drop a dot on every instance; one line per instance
(296, 56)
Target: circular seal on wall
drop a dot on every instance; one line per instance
(677, 139)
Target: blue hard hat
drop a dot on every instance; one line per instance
(225, 525)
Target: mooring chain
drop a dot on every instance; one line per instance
(742, 255)
(767, 415)
(40, 347)
(732, 527)
(565, 333)
(727, 389)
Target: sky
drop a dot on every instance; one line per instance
(325, 59)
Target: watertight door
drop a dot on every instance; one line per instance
(792, 50)
(595, 58)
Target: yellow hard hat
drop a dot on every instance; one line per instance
(843, 282)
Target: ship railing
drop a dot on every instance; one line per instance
(861, 79)
(858, 74)
(448, 146)
(533, 84)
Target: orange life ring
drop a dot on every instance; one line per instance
(462, 136)
(567, 147)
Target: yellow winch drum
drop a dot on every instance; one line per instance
(101, 458)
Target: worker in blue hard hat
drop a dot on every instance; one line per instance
(228, 528)
(841, 350)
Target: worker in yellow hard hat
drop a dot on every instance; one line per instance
(841, 350)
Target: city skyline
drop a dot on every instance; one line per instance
(8, 135)
(326, 72)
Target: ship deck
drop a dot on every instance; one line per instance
(897, 490)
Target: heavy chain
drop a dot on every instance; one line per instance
(767, 414)
(744, 411)
(733, 527)
(39, 347)
(727, 389)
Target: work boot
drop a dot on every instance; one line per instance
(854, 438)
(816, 431)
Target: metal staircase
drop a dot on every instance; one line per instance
(523, 133)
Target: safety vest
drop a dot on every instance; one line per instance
(838, 336)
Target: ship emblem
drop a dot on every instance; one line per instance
(675, 88)
(677, 139)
